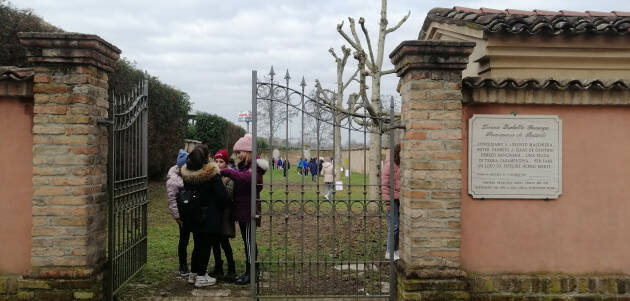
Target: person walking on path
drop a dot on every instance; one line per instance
(300, 163)
(206, 196)
(285, 166)
(306, 167)
(320, 165)
(242, 178)
(279, 163)
(393, 209)
(329, 178)
(314, 168)
(174, 184)
(228, 226)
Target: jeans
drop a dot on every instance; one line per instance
(184, 237)
(393, 225)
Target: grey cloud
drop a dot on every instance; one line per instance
(208, 48)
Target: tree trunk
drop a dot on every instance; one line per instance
(338, 119)
(337, 150)
(374, 174)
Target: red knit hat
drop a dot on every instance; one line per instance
(221, 154)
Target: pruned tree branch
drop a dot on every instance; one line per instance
(392, 29)
(353, 31)
(345, 36)
(367, 39)
(390, 71)
(346, 54)
(332, 52)
(352, 78)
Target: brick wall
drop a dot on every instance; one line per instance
(430, 86)
(69, 165)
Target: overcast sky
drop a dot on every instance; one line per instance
(209, 48)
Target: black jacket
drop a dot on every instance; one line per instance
(207, 181)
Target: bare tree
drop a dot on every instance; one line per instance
(368, 65)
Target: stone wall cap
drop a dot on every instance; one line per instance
(67, 36)
(449, 46)
(69, 48)
(424, 55)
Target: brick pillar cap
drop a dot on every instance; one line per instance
(431, 55)
(69, 48)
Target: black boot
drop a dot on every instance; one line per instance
(183, 270)
(231, 273)
(243, 279)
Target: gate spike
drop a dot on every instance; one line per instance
(287, 77)
(271, 73)
(303, 83)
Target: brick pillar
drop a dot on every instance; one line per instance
(69, 232)
(430, 86)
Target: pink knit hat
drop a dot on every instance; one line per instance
(244, 143)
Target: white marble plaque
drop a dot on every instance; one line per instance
(515, 157)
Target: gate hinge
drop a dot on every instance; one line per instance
(105, 122)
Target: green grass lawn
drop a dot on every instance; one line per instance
(298, 232)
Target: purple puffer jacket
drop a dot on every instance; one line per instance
(242, 178)
(174, 184)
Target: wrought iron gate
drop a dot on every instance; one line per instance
(312, 243)
(127, 185)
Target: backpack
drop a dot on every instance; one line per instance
(190, 207)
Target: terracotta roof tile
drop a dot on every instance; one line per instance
(492, 10)
(600, 14)
(574, 13)
(546, 12)
(531, 22)
(15, 73)
(519, 12)
(466, 9)
(477, 82)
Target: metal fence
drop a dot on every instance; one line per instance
(127, 184)
(317, 240)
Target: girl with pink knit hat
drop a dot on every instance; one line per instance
(242, 178)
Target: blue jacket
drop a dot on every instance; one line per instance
(299, 163)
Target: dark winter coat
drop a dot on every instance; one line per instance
(313, 167)
(242, 178)
(207, 181)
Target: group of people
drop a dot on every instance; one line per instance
(314, 166)
(222, 191)
(222, 194)
(281, 163)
